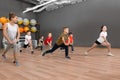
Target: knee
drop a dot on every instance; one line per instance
(108, 45)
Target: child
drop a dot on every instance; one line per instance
(61, 42)
(102, 40)
(28, 42)
(40, 44)
(11, 35)
(48, 41)
(71, 41)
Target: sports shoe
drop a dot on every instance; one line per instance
(4, 57)
(43, 53)
(86, 53)
(67, 57)
(16, 63)
(110, 54)
(20, 51)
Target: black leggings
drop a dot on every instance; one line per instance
(56, 47)
(72, 48)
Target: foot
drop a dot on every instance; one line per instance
(67, 57)
(43, 53)
(20, 50)
(110, 54)
(72, 51)
(16, 63)
(32, 52)
(86, 53)
(4, 57)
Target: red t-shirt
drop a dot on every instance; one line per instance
(71, 39)
(48, 39)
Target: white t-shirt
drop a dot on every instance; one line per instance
(101, 39)
(27, 38)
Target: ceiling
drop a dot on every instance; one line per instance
(40, 5)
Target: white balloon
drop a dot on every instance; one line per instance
(20, 19)
(25, 21)
(33, 22)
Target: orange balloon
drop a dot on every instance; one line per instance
(3, 20)
(26, 29)
(21, 29)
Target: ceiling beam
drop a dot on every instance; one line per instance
(29, 1)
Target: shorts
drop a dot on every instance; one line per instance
(97, 42)
(26, 45)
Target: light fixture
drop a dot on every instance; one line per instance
(50, 5)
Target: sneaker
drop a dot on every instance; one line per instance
(72, 51)
(4, 57)
(43, 53)
(67, 57)
(86, 53)
(16, 63)
(110, 54)
(20, 50)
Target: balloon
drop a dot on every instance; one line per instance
(0, 25)
(21, 29)
(33, 29)
(33, 22)
(20, 20)
(26, 29)
(26, 22)
(3, 20)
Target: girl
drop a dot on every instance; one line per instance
(48, 41)
(102, 40)
(71, 41)
(28, 42)
(40, 44)
(11, 35)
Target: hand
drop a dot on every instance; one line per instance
(11, 42)
(14, 41)
(66, 44)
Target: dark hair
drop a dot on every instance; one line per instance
(102, 28)
(70, 33)
(11, 15)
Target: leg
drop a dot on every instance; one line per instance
(6, 50)
(93, 46)
(15, 48)
(108, 45)
(31, 47)
(72, 48)
(51, 50)
(66, 50)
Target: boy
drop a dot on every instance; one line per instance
(61, 42)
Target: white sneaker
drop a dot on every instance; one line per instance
(110, 54)
(86, 53)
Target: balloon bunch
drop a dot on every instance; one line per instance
(3, 20)
(27, 25)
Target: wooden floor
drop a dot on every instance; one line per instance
(96, 66)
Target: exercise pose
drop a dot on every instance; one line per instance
(102, 40)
